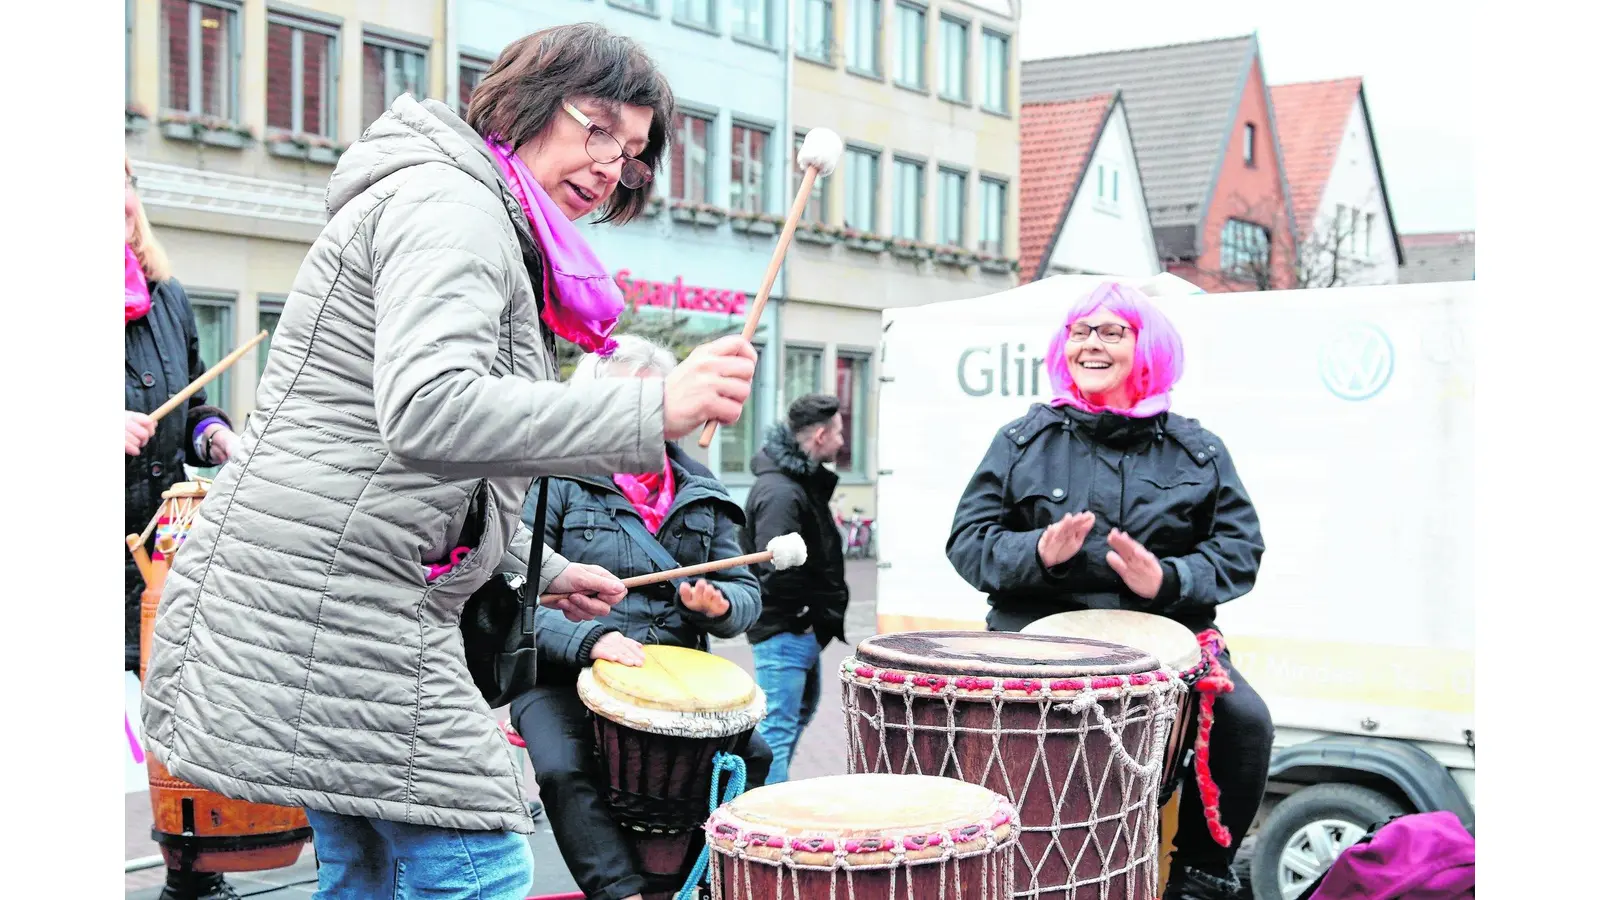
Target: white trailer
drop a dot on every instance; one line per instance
(1349, 415)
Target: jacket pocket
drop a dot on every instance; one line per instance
(590, 534)
(692, 534)
(479, 531)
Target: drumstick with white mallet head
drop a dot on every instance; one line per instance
(820, 153)
(785, 551)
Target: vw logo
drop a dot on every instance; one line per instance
(1357, 363)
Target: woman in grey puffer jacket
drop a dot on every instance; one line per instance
(307, 651)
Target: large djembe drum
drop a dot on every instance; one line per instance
(658, 731)
(863, 837)
(200, 830)
(1072, 731)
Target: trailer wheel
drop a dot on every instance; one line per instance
(1307, 832)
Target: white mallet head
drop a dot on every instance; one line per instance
(821, 148)
(788, 551)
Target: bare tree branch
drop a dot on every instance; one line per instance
(1318, 257)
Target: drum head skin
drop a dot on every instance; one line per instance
(678, 691)
(1158, 636)
(677, 679)
(878, 808)
(1002, 654)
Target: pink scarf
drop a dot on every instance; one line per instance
(135, 289)
(1144, 408)
(651, 495)
(582, 303)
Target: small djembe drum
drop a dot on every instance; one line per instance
(200, 830)
(658, 730)
(863, 837)
(1071, 731)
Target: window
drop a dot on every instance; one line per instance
(1116, 176)
(268, 310)
(646, 6)
(747, 180)
(992, 238)
(213, 318)
(750, 19)
(390, 68)
(470, 75)
(200, 45)
(952, 207)
(127, 69)
(816, 30)
(737, 443)
(691, 159)
(996, 71)
(695, 12)
(802, 373)
(850, 383)
(908, 196)
(302, 75)
(911, 31)
(866, 21)
(1108, 186)
(817, 203)
(1246, 248)
(953, 59)
(861, 185)
(1372, 221)
(1249, 144)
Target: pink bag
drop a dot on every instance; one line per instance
(1429, 856)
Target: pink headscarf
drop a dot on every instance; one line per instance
(583, 303)
(1157, 354)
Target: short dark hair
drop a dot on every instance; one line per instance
(812, 409)
(524, 89)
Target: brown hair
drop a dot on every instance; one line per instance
(525, 88)
(146, 249)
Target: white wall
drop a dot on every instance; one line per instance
(1102, 236)
(1354, 183)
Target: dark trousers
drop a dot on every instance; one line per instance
(560, 736)
(1241, 750)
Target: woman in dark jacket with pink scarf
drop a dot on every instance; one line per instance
(695, 520)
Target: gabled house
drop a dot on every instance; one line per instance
(1083, 207)
(1346, 230)
(1202, 125)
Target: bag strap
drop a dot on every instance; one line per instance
(658, 554)
(536, 549)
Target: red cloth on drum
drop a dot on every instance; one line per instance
(1214, 682)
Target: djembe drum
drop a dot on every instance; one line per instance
(200, 830)
(863, 837)
(658, 730)
(1169, 642)
(1071, 731)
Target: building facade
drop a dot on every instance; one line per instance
(237, 111)
(923, 206)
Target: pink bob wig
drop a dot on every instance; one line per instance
(1158, 350)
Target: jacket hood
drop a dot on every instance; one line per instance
(412, 134)
(781, 453)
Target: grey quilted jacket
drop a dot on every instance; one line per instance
(300, 656)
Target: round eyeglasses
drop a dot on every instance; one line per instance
(1110, 333)
(605, 149)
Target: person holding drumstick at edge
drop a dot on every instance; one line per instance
(688, 512)
(308, 651)
(1102, 499)
(162, 355)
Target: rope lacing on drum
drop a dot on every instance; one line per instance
(734, 765)
(1214, 682)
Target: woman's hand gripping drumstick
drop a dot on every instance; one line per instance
(784, 552)
(819, 154)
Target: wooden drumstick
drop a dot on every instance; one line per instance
(819, 153)
(784, 552)
(182, 396)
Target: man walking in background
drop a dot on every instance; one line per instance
(802, 608)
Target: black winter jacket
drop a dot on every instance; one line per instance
(161, 356)
(581, 523)
(1164, 480)
(791, 494)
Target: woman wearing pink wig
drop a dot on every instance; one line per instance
(1102, 499)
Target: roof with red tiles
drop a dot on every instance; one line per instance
(1058, 140)
(1311, 117)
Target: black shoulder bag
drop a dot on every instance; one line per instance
(497, 624)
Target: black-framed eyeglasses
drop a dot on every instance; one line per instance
(133, 182)
(605, 149)
(1110, 332)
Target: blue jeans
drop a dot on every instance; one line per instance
(371, 859)
(789, 671)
